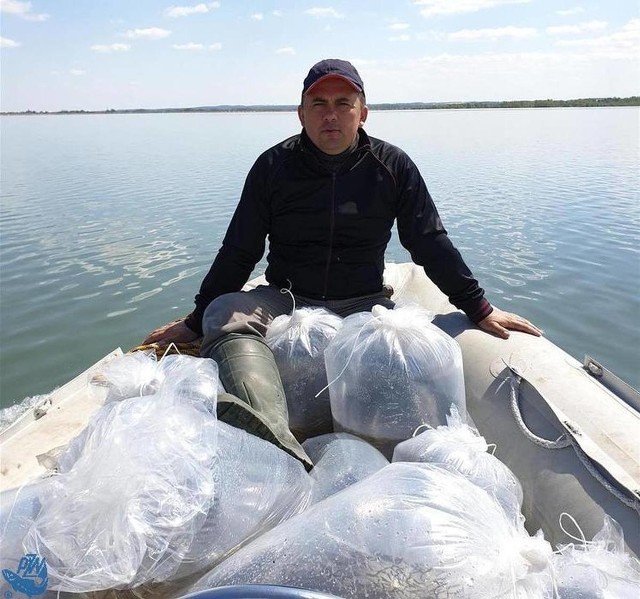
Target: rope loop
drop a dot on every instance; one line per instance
(581, 539)
(560, 443)
(565, 440)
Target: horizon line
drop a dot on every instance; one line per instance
(549, 102)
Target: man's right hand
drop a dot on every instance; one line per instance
(174, 332)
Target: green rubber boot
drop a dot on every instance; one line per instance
(255, 400)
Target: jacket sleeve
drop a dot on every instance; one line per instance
(242, 247)
(422, 233)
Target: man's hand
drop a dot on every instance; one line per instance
(174, 332)
(499, 323)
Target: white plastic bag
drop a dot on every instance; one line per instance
(148, 492)
(298, 342)
(340, 460)
(258, 487)
(18, 509)
(140, 373)
(390, 371)
(173, 378)
(461, 447)
(117, 534)
(155, 489)
(143, 486)
(128, 509)
(129, 375)
(597, 569)
(188, 378)
(409, 530)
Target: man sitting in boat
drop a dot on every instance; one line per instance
(327, 200)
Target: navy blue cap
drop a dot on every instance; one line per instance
(332, 67)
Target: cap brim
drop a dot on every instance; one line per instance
(334, 76)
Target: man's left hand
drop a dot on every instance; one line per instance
(499, 323)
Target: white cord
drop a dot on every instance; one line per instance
(582, 539)
(426, 426)
(171, 345)
(353, 349)
(293, 297)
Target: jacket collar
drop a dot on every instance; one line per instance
(310, 151)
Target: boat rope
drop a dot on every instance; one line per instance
(587, 462)
(560, 443)
(565, 440)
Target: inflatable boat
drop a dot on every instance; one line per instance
(568, 430)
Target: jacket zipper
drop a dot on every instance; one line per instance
(332, 223)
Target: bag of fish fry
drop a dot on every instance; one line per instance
(340, 460)
(298, 341)
(408, 530)
(390, 371)
(461, 447)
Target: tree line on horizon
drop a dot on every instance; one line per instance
(549, 103)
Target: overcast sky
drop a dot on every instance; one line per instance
(99, 54)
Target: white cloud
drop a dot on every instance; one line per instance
(257, 16)
(431, 35)
(400, 38)
(576, 29)
(22, 10)
(76, 72)
(498, 76)
(322, 13)
(632, 26)
(185, 11)
(277, 13)
(451, 7)
(493, 34)
(570, 11)
(5, 42)
(622, 44)
(288, 50)
(189, 46)
(106, 48)
(150, 33)
(192, 46)
(399, 26)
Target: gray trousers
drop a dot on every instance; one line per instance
(251, 312)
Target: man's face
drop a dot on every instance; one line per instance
(331, 114)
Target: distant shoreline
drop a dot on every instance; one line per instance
(580, 102)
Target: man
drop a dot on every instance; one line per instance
(327, 200)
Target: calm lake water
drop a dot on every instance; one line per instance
(109, 222)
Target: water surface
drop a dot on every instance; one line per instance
(109, 222)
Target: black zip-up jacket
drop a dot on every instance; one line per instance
(328, 230)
